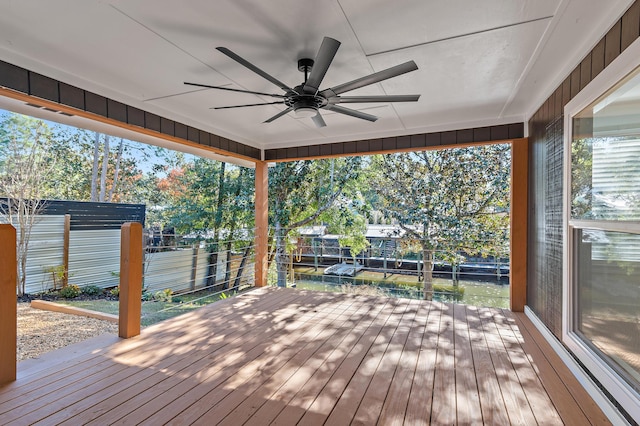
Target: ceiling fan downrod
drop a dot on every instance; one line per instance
(305, 65)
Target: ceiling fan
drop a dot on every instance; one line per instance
(307, 99)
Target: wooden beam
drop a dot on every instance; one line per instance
(130, 307)
(45, 305)
(262, 223)
(8, 306)
(519, 228)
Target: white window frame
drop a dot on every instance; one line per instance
(627, 397)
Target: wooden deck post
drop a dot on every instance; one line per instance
(262, 223)
(519, 227)
(8, 306)
(130, 306)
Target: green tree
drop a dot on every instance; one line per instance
(450, 200)
(215, 201)
(300, 192)
(354, 236)
(25, 165)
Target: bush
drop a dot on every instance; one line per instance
(146, 295)
(69, 292)
(115, 292)
(92, 290)
(163, 295)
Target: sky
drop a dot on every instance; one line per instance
(144, 154)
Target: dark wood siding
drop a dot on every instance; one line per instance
(91, 215)
(418, 141)
(544, 275)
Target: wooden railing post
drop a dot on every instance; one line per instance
(262, 223)
(131, 259)
(8, 305)
(519, 226)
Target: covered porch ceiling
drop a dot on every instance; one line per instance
(480, 63)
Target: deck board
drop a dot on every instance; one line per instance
(284, 356)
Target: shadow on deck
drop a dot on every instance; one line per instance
(288, 356)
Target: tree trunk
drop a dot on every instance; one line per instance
(243, 262)
(227, 271)
(105, 168)
(281, 255)
(94, 172)
(116, 171)
(427, 259)
(455, 274)
(212, 267)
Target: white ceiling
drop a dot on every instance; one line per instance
(480, 62)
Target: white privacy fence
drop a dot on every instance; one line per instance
(94, 259)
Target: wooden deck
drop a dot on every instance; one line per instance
(285, 356)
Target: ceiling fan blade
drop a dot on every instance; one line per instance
(327, 52)
(255, 69)
(366, 99)
(318, 120)
(278, 115)
(351, 112)
(234, 90)
(248, 105)
(371, 79)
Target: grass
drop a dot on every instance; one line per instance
(476, 293)
(152, 311)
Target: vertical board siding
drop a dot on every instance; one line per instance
(544, 292)
(419, 141)
(45, 250)
(94, 257)
(172, 270)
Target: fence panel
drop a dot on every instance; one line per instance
(45, 251)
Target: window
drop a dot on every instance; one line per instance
(602, 229)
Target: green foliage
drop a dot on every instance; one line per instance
(450, 197)
(453, 201)
(57, 274)
(581, 178)
(146, 295)
(70, 292)
(213, 195)
(115, 291)
(92, 290)
(302, 192)
(355, 239)
(165, 295)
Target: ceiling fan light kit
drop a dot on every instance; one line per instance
(304, 112)
(306, 99)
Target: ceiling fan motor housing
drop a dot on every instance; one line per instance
(306, 99)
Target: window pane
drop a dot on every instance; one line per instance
(608, 298)
(605, 171)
